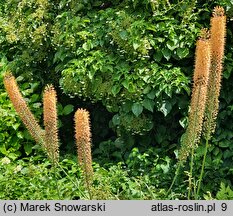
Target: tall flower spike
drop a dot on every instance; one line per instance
(217, 42)
(83, 141)
(22, 109)
(192, 135)
(51, 123)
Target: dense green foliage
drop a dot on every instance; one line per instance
(112, 183)
(130, 63)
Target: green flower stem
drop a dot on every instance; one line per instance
(202, 167)
(175, 177)
(191, 174)
(56, 180)
(77, 186)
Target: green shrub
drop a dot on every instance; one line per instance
(131, 63)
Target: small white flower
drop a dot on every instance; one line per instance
(5, 160)
(18, 169)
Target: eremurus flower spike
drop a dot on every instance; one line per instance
(217, 43)
(51, 123)
(202, 58)
(22, 109)
(83, 141)
(192, 135)
(218, 32)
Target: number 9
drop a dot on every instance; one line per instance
(224, 206)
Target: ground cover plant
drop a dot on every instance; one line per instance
(100, 99)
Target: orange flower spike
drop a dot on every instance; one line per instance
(51, 123)
(83, 140)
(202, 57)
(217, 43)
(22, 108)
(218, 32)
(192, 135)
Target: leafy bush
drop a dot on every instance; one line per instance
(134, 57)
(130, 62)
(28, 179)
(33, 180)
(225, 193)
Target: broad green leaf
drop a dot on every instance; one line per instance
(19, 78)
(231, 107)
(34, 85)
(161, 39)
(137, 109)
(86, 46)
(20, 134)
(227, 154)
(149, 104)
(59, 108)
(14, 155)
(68, 109)
(165, 108)
(224, 144)
(136, 45)
(182, 52)
(116, 89)
(171, 45)
(127, 106)
(16, 125)
(116, 77)
(146, 90)
(216, 151)
(116, 120)
(152, 94)
(125, 83)
(27, 135)
(34, 97)
(28, 148)
(131, 88)
(158, 56)
(123, 35)
(37, 105)
(119, 143)
(3, 149)
(183, 122)
(96, 83)
(117, 154)
(60, 55)
(227, 71)
(2, 137)
(91, 73)
(107, 68)
(166, 53)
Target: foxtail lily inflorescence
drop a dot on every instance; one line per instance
(23, 110)
(83, 141)
(192, 135)
(51, 123)
(217, 43)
